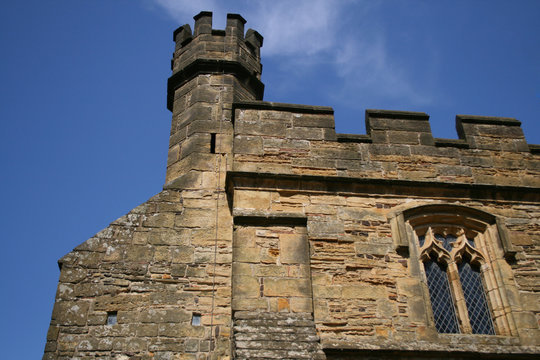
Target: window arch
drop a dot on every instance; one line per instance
(457, 251)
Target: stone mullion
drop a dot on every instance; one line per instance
(459, 298)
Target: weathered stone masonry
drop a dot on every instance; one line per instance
(274, 237)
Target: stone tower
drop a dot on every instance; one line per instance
(212, 69)
(276, 238)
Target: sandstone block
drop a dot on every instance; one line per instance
(242, 269)
(403, 137)
(180, 330)
(530, 301)
(283, 305)
(139, 254)
(72, 275)
(359, 291)
(304, 133)
(182, 254)
(52, 333)
(166, 237)
(313, 120)
(204, 94)
(301, 305)
(294, 249)
(261, 128)
(319, 228)
(247, 255)
(195, 218)
(71, 312)
(370, 248)
(95, 344)
(346, 213)
(248, 145)
(191, 345)
(526, 320)
(327, 291)
(270, 270)
(256, 200)
(245, 287)
(162, 254)
(249, 303)
(165, 220)
(155, 316)
(287, 287)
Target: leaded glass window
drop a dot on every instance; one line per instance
(441, 254)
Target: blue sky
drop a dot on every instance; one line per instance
(84, 127)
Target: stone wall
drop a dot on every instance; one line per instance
(156, 267)
(365, 293)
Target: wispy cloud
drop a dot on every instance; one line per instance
(305, 28)
(344, 35)
(366, 66)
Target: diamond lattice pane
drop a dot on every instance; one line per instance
(441, 299)
(475, 298)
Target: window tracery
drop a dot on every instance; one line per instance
(443, 255)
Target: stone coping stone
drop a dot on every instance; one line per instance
(266, 105)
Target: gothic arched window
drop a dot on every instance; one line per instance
(458, 252)
(452, 266)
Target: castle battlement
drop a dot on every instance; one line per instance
(299, 139)
(474, 132)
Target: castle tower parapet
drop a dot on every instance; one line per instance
(206, 50)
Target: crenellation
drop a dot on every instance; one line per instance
(203, 23)
(255, 40)
(492, 133)
(182, 36)
(228, 45)
(235, 26)
(402, 141)
(394, 122)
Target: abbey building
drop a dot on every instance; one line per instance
(276, 238)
